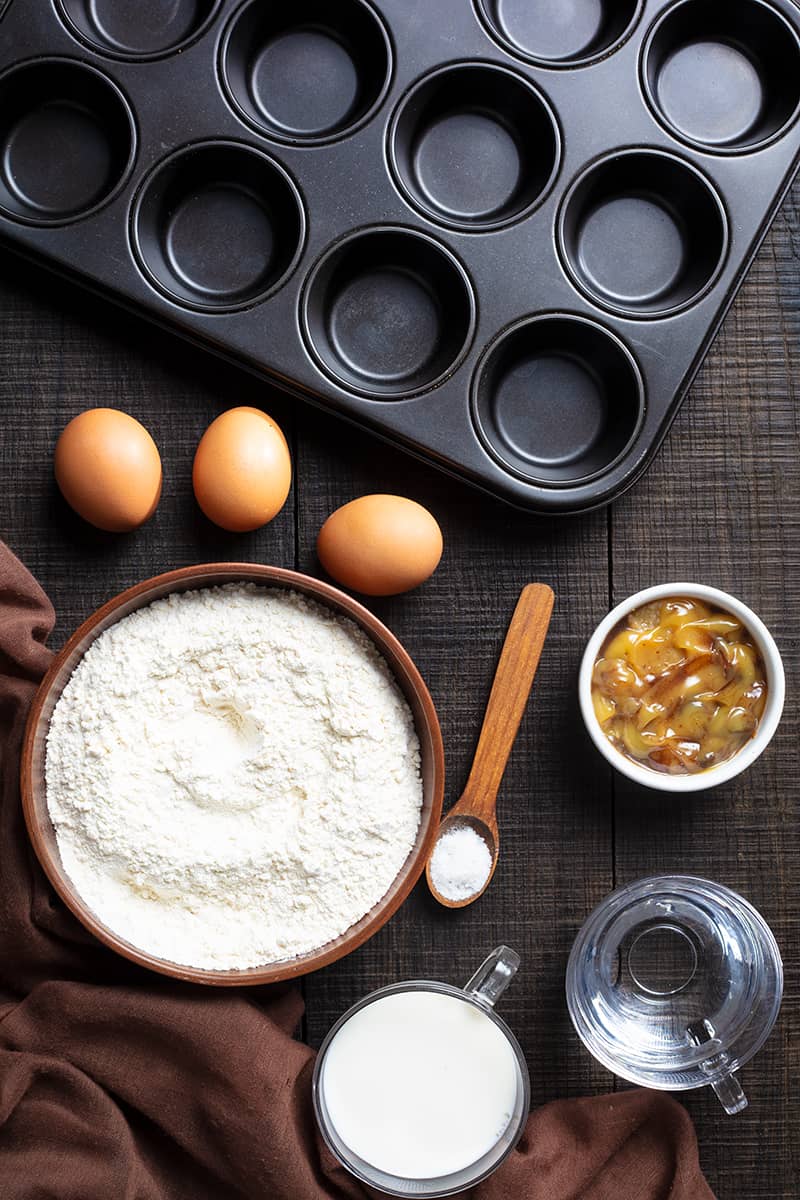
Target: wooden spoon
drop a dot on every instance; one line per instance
(513, 680)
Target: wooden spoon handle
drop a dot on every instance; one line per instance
(512, 684)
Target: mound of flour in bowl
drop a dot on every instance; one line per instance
(233, 775)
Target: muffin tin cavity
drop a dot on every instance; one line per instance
(306, 72)
(557, 399)
(137, 28)
(218, 226)
(559, 33)
(474, 146)
(643, 233)
(723, 77)
(388, 312)
(408, 194)
(67, 141)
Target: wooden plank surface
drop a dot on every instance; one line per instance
(720, 504)
(555, 856)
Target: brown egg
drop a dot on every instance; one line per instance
(242, 470)
(380, 545)
(109, 469)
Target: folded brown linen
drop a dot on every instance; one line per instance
(116, 1084)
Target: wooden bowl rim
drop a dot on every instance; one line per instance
(405, 673)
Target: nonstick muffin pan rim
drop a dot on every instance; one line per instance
(126, 108)
(566, 256)
(223, 48)
(591, 326)
(337, 250)
(567, 63)
(178, 157)
(427, 210)
(700, 146)
(107, 50)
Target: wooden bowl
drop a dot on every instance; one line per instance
(32, 778)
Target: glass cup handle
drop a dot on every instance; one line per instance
(493, 975)
(727, 1088)
(730, 1095)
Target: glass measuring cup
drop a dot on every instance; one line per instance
(675, 982)
(479, 996)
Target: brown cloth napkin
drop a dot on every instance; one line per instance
(116, 1084)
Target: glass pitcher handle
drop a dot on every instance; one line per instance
(727, 1089)
(493, 975)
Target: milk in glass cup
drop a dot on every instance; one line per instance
(421, 1089)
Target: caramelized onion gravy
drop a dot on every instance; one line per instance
(679, 686)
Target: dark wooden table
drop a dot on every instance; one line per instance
(720, 505)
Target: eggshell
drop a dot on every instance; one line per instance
(380, 545)
(109, 469)
(242, 470)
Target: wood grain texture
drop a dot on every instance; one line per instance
(720, 504)
(61, 352)
(554, 804)
(513, 680)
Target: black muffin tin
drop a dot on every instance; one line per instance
(501, 234)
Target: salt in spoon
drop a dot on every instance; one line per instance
(513, 680)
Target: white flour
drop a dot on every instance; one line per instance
(233, 776)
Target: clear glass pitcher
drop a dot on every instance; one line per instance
(675, 982)
(480, 994)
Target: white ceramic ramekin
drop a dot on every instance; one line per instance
(714, 776)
